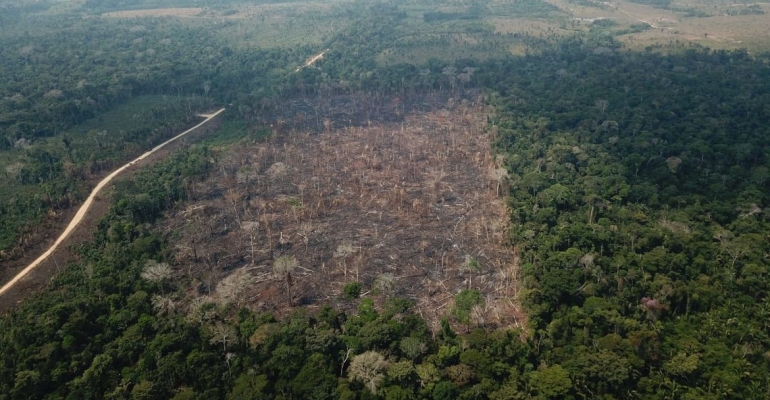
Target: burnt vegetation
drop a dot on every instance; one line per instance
(408, 207)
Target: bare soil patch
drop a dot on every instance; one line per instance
(405, 207)
(312, 60)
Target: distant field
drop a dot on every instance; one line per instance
(281, 25)
(720, 24)
(460, 32)
(453, 31)
(713, 23)
(159, 12)
(259, 25)
(272, 30)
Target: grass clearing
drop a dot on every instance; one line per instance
(285, 25)
(280, 31)
(712, 23)
(446, 40)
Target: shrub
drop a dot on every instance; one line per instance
(352, 290)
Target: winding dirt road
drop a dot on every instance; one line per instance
(83, 210)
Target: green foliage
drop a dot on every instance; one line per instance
(654, 3)
(185, 394)
(49, 173)
(526, 9)
(434, 16)
(95, 344)
(352, 290)
(444, 391)
(551, 382)
(402, 373)
(629, 247)
(464, 303)
(748, 9)
(413, 348)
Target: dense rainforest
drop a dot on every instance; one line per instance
(637, 185)
(638, 196)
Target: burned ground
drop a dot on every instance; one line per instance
(407, 208)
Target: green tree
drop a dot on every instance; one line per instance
(465, 301)
(551, 382)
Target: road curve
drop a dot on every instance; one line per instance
(87, 204)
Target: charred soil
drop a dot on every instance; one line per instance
(405, 206)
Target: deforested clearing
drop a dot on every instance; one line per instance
(408, 208)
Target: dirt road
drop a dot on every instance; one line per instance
(87, 204)
(312, 60)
